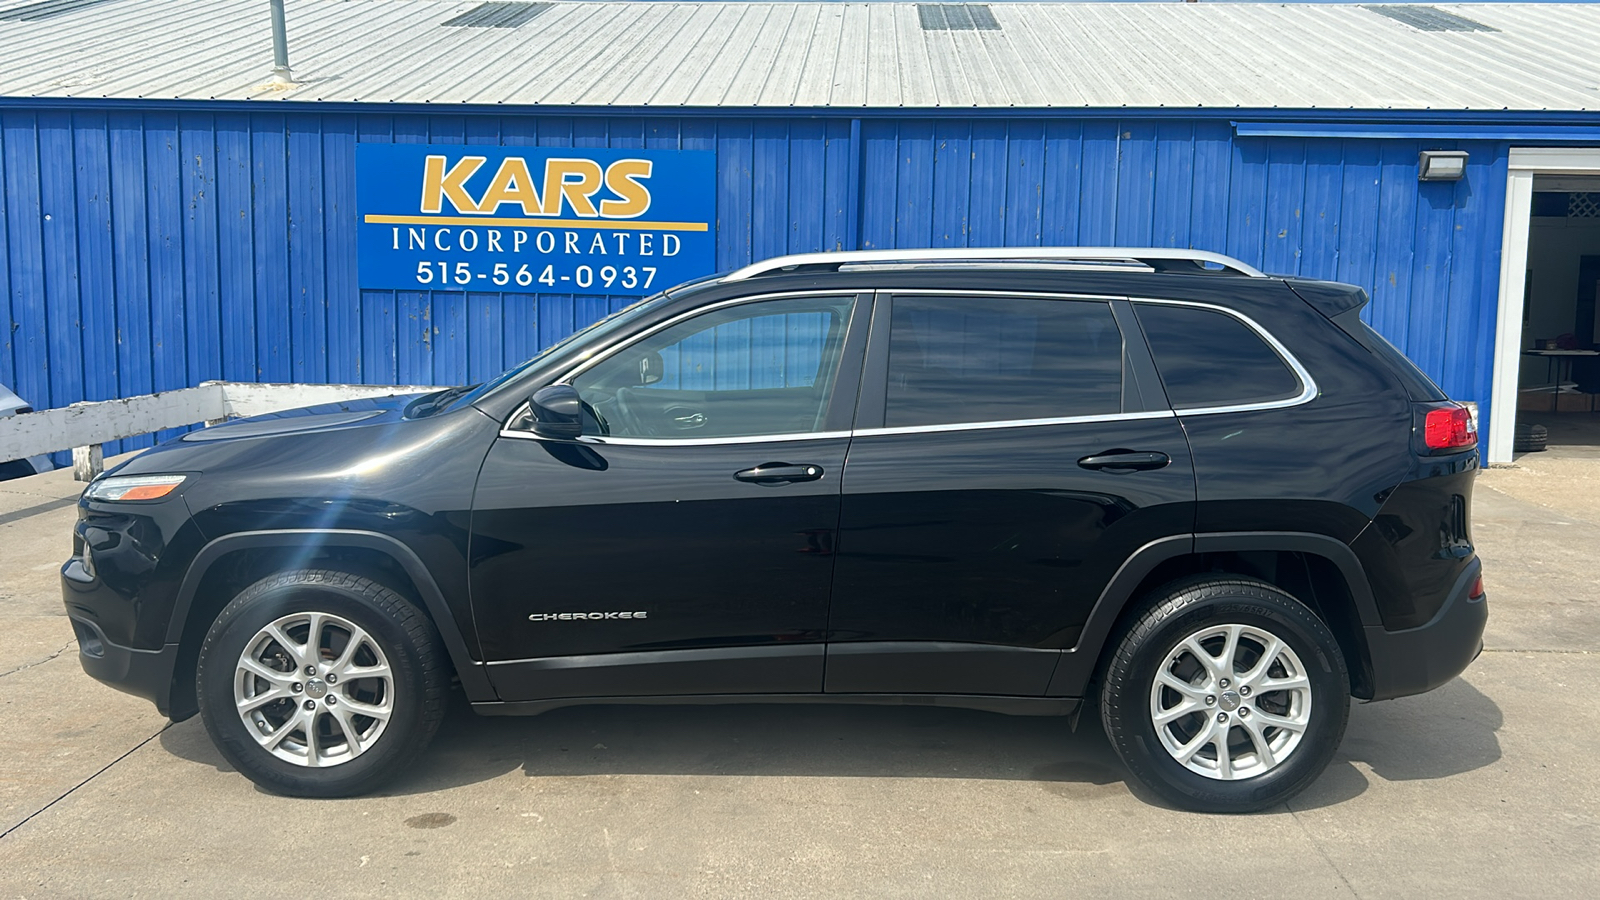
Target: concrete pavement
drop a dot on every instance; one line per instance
(1485, 786)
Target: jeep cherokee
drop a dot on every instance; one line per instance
(1211, 504)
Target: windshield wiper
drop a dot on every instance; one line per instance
(428, 404)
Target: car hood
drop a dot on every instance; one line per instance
(344, 430)
(343, 414)
(10, 402)
(365, 412)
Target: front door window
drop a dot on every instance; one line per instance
(752, 369)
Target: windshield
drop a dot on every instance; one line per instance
(598, 330)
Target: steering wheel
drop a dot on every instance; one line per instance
(634, 423)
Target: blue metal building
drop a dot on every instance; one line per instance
(170, 217)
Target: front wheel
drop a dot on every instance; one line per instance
(1226, 695)
(319, 683)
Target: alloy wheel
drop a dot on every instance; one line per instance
(1231, 701)
(314, 689)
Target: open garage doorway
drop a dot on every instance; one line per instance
(1547, 359)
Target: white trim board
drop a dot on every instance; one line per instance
(1525, 163)
(92, 423)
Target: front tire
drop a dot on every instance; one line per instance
(319, 683)
(1227, 695)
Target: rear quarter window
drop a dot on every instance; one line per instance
(1418, 386)
(1208, 358)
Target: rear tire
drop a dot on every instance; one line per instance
(319, 683)
(1226, 695)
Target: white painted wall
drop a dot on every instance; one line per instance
(87, 424)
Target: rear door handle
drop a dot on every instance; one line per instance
(779, 473)
(1120, 461)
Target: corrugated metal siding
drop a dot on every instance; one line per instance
(836, 55)
(151, 251)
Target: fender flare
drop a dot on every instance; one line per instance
(1078, 663)
(474, 681)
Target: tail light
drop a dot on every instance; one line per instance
(1477, 589)
(1449, 427)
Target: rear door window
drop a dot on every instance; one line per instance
(1208, 358)
(956, 360)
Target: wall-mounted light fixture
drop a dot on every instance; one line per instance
(1441, 165)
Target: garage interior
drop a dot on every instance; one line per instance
(1559, 375)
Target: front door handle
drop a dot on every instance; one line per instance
(779, 473)
(1121, 461)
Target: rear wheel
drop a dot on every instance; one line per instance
(320, 683)
(1226, 695)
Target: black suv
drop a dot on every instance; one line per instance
(1211, 502)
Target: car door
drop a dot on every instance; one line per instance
(1011, 452)
(684, 544)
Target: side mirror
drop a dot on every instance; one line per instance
(556, 411)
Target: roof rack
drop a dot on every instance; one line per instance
(1160, 259)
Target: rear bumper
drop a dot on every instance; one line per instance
(1423, 658)
(142, 673)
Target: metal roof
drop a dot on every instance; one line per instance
(818, 55)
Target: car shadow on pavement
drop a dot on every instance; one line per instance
(774, 739)
(745, 740)
(1434, 736)
(1447, 732)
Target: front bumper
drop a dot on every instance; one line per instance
(143, 673)
(1423, 658)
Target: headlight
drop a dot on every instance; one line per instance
(134, 487)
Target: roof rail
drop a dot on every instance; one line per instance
(1161, 259)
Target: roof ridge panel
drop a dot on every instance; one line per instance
(951, 86)
(999, 46)
(1023, 34)
(428, 42)
(308, 55)
(511, 46)
(633, 81)
(912, 58)
(533, 49)
(707, 50)
(585, 68)
(852, 56)
(540, 78)
(883, 78)
(109, 48)
(814, 82)
(765, 50)
(818, 55)
(788, 65)
(1381, 71)
(1091, 82)
(25, 47)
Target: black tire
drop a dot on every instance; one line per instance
(415, 696)
(1189, 607)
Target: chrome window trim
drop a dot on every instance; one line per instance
(1013, 423)
(1009, 423)
(606, 440)
(984, 292)
(603, 353)
(1308, 385)
(1308, 392)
